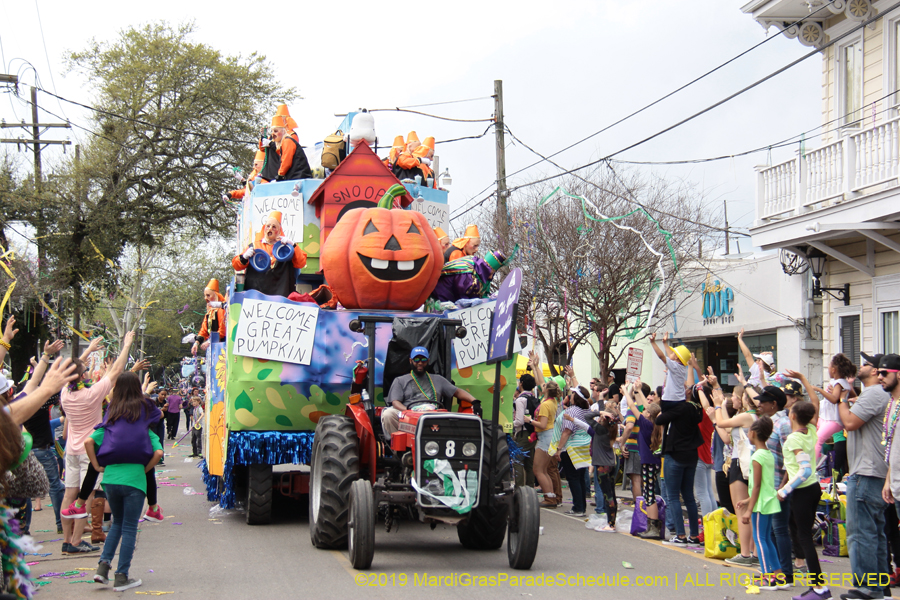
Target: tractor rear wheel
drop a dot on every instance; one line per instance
(524, 528)
(259, 495)
(333, 468)
(361, 534)
(485, 528)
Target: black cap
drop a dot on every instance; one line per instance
(890, 361)
(873, 360)
(771, 393)
(793, 388)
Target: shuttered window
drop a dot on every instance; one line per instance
(850, 337)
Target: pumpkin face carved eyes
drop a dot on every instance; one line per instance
(382, 258)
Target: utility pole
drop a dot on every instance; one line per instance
(727, 241)
(502, 219)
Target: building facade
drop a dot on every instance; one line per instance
(842, 200)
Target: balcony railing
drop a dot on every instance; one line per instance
(830, 175)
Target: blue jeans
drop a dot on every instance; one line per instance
(48, 459)
(670, 514)
(781, 529)
(680, 483)
(126, 503)
(866, 539)
(703, 487)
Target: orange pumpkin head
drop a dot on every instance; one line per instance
(382, 258)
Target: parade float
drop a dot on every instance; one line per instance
(287, 367)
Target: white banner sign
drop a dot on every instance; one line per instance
(473, 349)
(291, 208)
(276, 331)
(437, 214)
(635, 364)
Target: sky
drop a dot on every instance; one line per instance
(568, 68)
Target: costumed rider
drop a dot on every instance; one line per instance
(214, 319)
(467, 245)
(443, 239)
(285, 159)
(415, 160)
(258, 161)
(468, 277)
(419, 390)
(280, 279)
(391, 161)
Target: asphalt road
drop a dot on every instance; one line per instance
(191, 555)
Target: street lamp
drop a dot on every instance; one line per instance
(816, 259)
(445, 179)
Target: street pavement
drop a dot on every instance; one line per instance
(193, 555)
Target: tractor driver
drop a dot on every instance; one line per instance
(416, 390)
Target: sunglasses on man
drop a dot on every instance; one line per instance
(884, 372)
(420, 359)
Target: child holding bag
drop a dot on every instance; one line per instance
(129, 451)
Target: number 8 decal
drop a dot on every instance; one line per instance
(450, 449)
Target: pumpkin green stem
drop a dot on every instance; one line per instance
(395, 191)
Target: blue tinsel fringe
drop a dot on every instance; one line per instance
(516, 454)
(211, 481)
(262, 448)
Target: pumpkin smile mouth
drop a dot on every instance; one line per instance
(392, 270)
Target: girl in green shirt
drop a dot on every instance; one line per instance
(762, 504)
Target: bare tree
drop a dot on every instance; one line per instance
(602, 259)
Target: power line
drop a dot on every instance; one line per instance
(447, 102)
(46, 55)
(695, 115)
(665, 97)
(416, 112)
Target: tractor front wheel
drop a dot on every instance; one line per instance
(333, 468)
(485, 528)
(361, 536)
(524, 528)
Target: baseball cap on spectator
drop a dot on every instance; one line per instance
(891, 362)
(873, 360)
(793, 388)
(771, 393)
(766, 357)
(419, 351)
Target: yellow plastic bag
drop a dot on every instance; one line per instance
(720, 534)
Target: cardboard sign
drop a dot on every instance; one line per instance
(437, 213)
(635, 364)
(291, 208)
(473, 349)
(504, 327)
(276, 331)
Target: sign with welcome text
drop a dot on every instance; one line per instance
(473, 349)
(504, 327)
(276, 331)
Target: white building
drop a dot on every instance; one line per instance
(842, 200)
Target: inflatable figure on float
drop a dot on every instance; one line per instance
(362, 130)
(467, 245)
(285, 159)
(391, 161)
(273, 260)
(214, 319)
(382, 257)
(468, 277)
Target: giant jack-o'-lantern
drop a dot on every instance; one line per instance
(382, 257)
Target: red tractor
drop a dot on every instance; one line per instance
(440, 467)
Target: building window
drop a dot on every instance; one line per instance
(759, 344)
(852, 74)
(890, 332)
(849, 332)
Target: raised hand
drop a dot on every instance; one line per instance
(653, 337)
(665, 337)
(53, 348)
(10, 332)
(741, 334)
